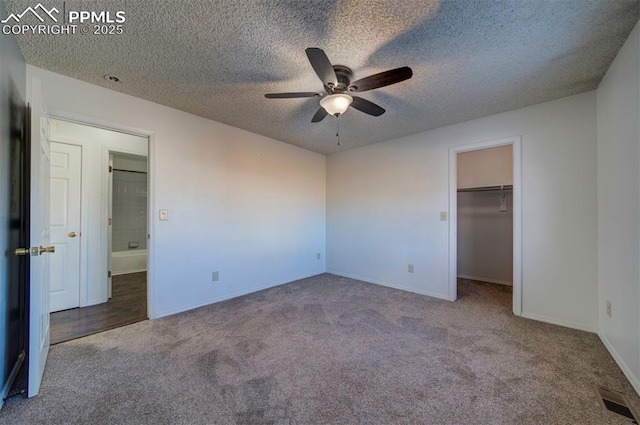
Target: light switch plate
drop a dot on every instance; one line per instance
(164, 215)
(443, 216)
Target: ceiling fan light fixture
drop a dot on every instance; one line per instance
(336, 104)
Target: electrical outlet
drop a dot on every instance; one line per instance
(318, 256)
(609, 308)
(215, 276)
(410, 268)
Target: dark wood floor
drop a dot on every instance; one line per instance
(127, 305)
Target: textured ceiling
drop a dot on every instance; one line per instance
(217, 59)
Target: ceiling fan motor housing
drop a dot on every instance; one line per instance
(343, 74)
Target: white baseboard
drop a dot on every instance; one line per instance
(559, 322)
(230, 296)
(485, 279)
(633, 379)
(389, 285)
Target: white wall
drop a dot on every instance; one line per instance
(245, 205)
(485, 167)
(12, 85)
(485, 237)
(384, 203)
(96, 143)
(619, 208)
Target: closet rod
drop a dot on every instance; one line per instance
(486, 188)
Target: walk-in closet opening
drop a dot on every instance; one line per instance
(485, 224)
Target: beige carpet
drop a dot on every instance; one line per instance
(330, 350)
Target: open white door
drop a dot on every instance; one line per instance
(39, 279)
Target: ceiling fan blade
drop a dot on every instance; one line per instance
(366, 106)
(319, 116)
(291, 95)
(382, 79)
(321, 64)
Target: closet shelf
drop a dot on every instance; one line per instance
(486, 188)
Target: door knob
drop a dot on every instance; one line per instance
(22, 251)
(72, 234)
(48, 249)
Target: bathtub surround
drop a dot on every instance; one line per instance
(332, 350)
(129, 210)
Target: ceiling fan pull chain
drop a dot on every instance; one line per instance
(338, 130)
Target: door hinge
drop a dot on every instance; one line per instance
(109, 221)
(110, 169)
(109, 273)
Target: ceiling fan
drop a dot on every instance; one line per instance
(338, 86)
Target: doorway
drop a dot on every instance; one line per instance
(85, 298)
(485, 221)
(128, 205)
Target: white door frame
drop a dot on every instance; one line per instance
(516, 142)
(151, 137)
(110, 225)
